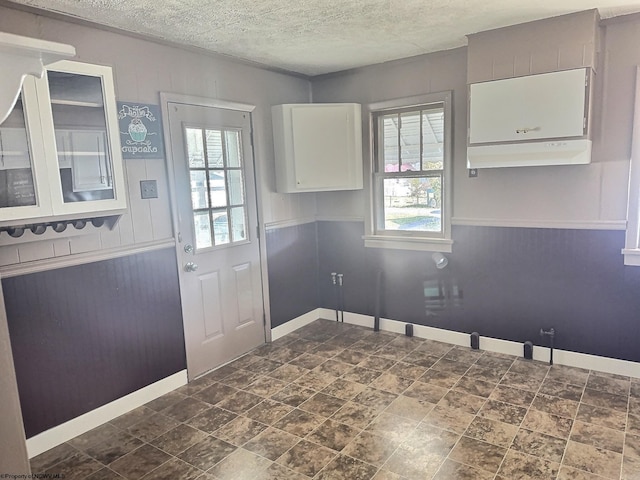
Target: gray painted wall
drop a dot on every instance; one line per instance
(559, 196)
(403, 78)
(142, 69)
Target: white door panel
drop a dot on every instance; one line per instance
(220, 278)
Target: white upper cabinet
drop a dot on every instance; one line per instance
(318, 147)
(536, 107)
(59, 148)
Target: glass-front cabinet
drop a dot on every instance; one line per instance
(59, 148)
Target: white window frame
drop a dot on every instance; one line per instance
(631, 250)
(422, 241)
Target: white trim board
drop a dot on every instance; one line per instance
(90, 420)
(83, 258)
(293, 325)
(560, 357)
(531, 223)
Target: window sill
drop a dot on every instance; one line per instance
(631, 256)
(410, 243)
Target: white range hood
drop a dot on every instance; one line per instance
(562, 152)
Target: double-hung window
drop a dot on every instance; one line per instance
(411, 193)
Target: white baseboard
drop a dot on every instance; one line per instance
(560, 357)
(293, 325)
(82, 424)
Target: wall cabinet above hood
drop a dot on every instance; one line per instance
(530, 121)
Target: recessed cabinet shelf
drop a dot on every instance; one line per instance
(59, 148)
(318, 147)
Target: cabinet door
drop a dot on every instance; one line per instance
(22, 194)
(14, 148)
(545, 106)
(83, 126)
(90, 168)
(323, 147)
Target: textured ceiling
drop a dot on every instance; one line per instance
(314, 37)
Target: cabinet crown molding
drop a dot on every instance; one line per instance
(21, 56)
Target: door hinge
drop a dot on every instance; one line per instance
(264, 319)
(258, 232)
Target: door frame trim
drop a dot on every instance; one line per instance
(165, 99)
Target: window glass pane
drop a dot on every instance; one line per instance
(236, 190)
(232, 140)
(238, 224)
(203, 229)
(432, 139)
(220, 227)
(195, 152)
(410, 141)
(215, 158)
(199, 197)
(79, 121)
(389, 147)
(218, 188)
(16, 175)
(413, 204)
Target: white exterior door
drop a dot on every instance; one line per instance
(218, 250)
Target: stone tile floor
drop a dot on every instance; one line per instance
(334, 401)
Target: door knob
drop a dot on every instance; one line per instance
(190, 267)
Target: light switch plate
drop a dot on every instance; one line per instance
(148, 189)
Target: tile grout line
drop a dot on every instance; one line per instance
(566, 447)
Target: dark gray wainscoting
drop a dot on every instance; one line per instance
(292, 256)
(86, 335)
(501, 282)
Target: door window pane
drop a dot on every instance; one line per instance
(217, 188)
(16, 175)
(236, 191)
(195, 151)
(238, 224)
(199, 193)
(203, 229)
(217, 185)
(215, 158)
(221, 227)
(233, 148)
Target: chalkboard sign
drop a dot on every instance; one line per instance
(16, 188)
(140, 131)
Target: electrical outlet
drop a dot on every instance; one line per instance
(148, 189)
(473, 172)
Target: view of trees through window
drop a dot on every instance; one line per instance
(410, 165)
